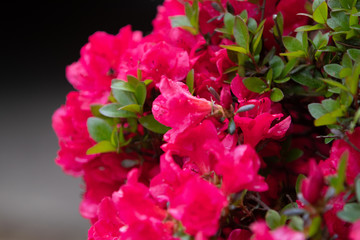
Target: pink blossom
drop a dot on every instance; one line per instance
(99, 60)
(259, 128)
(311, 187)
(355, 231)
(238, 234)
(198, 206)
(239, 170)
(176, 107)
(164, 59)
(240, 91)
(262, 232)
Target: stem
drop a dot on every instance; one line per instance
(261, 203)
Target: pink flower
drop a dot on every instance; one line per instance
(355, 231)
(339, 147)
(238, 234)
(177, 108)
(99, 60)
(198, 205)
(137, 215)
(199, 146)
(240, 91)
(311, 187)
(259, 128)
(239, 170)
(262, 232)
(164, 59)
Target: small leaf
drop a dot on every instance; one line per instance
(241, 34)
(277, 65)
(99, 129)
(232, 126)
(140, 93)
(299, 53)
(245, 108)
(350, 213)
(190, 81)
(255, 84)
(306, 78)
(307, 28)
(135, 108)
(122, 85)
(123, 97)
(278, 24)
(330, 105)
(101, 147)
(180, 21)
(315, 226)
(354, 54)
(357, 189)
(292, 44)
(296, 223)
(151, 124)
(320, 14)
(234, 48)
(112, 111)
(333, 70)
(148, 81)
(335, 84)
(276, 95)
(133, 81)
(293, 154)
(272, 219)
(326, 119)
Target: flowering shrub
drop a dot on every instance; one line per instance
(231, 120)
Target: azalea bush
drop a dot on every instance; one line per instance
(230, 120)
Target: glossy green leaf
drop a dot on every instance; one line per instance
(333, 70)
(278, 28)
(320, 14)
(277, 66)
(330, 105)
(350, 213)
(306, 78)
(112, 111)
(315, 226)
(316, 110)
(245, 108)
(180, 21)
(140, 93)
(135, 108)
(234, 48)
(354, 54)
(190, 81)
(255, 84)
(292, 44)
(325, 119)
(241, 34)
(99, 129)
(296, 223)
(273, 219)
(124, 97)
(335, 84)
(307, 28)
(357, 189)
(151, 124)
(276, 95)
(101, 147)
(122, 85)
(299, 179)
(293, 154)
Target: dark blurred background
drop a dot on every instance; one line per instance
(38, 201)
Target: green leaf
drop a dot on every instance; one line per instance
(101, 147)
(292, 44)
(293, 154)
(276, 95)
(306, 78)
(255, 84)
(316, 110)
(326, 119)
(234, 48)
(288, 67)
(135, 108)
(350, 213)
(315, 226)
(333, 70)
(241, 34)
(114, 137)
(307, 28)
(112, 110)
(321, 40)
(232, 126)
(296, 223)
(354, 54)
(316, 4)
(330, 105)
(122, 85)
(357, 189)
(133, 81)
(278, 25)
(320, 14)
(99, 129)
(229, 20)
(334, 4)
(299, 179)
(252, 25)
(190, 81)
(335, 84)
(123, 97)
(273, 219)
(140, 93)
(151, 124)
(347, 4)
(299, 53)
(148, 81)
(346, 61)
(180, 21)
(257, 39)
(277, 66)
(245, 108)
(337, 182)
(284, 80)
